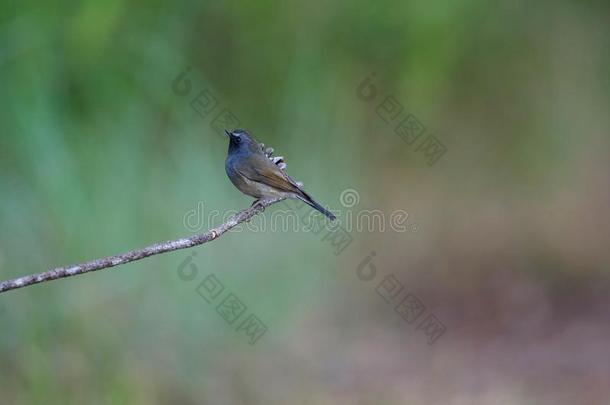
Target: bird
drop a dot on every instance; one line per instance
(254, 170)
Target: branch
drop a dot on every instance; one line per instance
(138, 254)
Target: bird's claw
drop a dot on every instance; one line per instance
(258, 204)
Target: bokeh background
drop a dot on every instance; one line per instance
(507, 243)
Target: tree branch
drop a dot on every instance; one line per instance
(138, 254)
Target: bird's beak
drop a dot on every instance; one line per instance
(228, 133)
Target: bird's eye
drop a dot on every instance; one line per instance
(237, 139)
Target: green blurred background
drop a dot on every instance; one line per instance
(99, 155)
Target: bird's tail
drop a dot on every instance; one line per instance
(313, 204)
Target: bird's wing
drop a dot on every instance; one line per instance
(260, 169)
(277, 160)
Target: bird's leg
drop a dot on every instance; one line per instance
(257, 203)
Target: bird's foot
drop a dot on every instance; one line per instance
(258, 204)
(263, 202)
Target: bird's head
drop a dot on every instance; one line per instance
(241, 140)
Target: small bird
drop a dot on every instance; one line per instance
(254, 170)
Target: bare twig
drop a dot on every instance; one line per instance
(137, 254)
